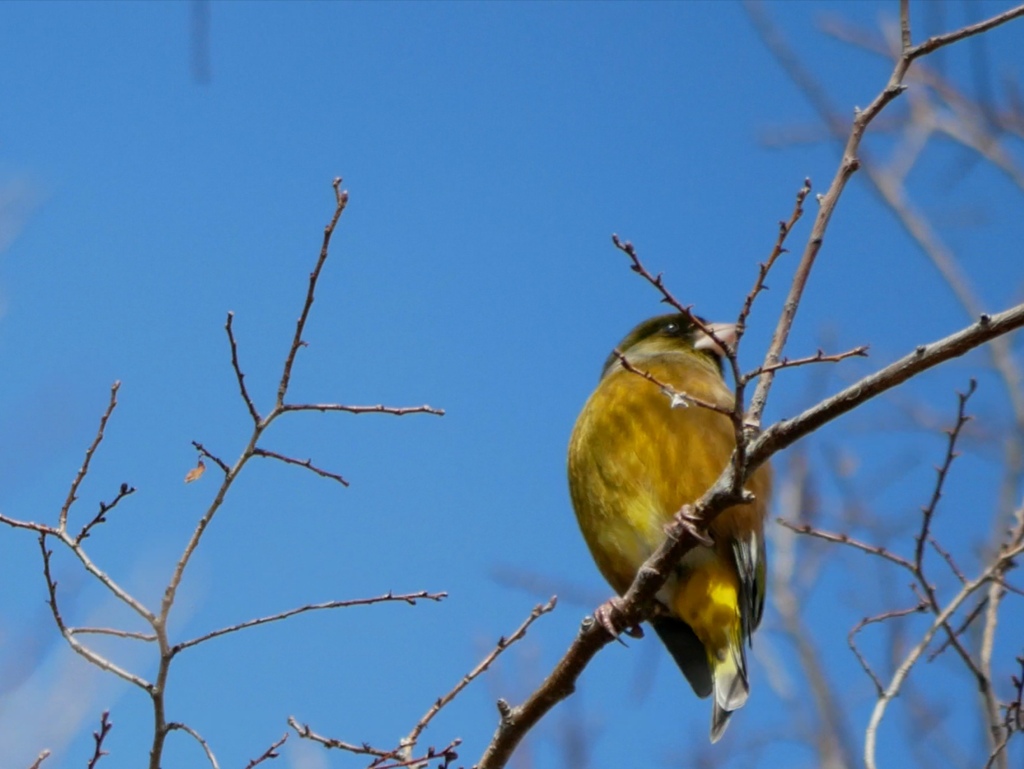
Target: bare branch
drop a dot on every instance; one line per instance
(174, 725)
(238, 370)
(105, 508)
(928, 511)
(503, 643)
(785, 227)
(818, 357)
(932, 44)
(365, 749)
(920, 607)
(972, 615)
(784, 433)
(409, 598)
(115, 632)
(948, 558)
(903, 670)
(845, 539)
(678, 398)
(96, 659)
(341, 200)
(215, 459)
(378, 409)
(98, 737)
(307, 463)
(269, 753)
(847, 167)
(84, 469)
(43, 755)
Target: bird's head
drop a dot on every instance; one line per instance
(673, 335)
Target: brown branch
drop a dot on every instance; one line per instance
(683, 533)
(926, 356)
(785, 227)
(364, 749)
(215, 459)
(105, 508)
(307, 463)
(932, 44)
(736, 414)
(948, 558)
(941, 621)
(942, 472)
(920, 607)
(269, 753)
(98, 737)
(972, 615)
(655, 280)
(115, 632)
(409, 598)
(43, 755)
(678, 399)
(447, 754)
(238, 370)
(409, 742)
(818, 357)
(848, 165)
(96, 659)
(341, 200)
(175, 725)
(84, 469)
(845, 539)
(378, 409)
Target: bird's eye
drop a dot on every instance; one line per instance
(672, 328)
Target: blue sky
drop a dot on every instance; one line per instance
(490, 150)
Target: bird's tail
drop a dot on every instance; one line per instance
(729, 672)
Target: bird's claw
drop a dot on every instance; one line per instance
(608, 615)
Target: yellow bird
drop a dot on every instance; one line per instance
(636, 456)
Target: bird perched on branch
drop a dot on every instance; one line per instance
(641, 450)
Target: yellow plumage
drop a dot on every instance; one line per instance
(634, 460)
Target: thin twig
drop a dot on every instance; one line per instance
(175, 725)
(948, 558)
(105, 508)
(115, 632)
(409, 742)
(307, 463)
(364, 749)
(784, 433)
(972, 615)
(677, 397)
(903, 670)
(819, 357)
(96, 659)
(446, 754)
(409, 598)
(785, 227)
(84, 469)
(238, 370)
(378, 409)
(845, 539)
(341, 200)
(43, 755)
(269, 753)
(98, 737)
(215, 459)
(920, 607)
(942, 472)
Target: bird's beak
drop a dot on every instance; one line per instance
(725, 333)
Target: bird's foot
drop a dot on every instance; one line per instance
(686, 522)
(609, 616)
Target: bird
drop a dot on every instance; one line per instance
(641, 449)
